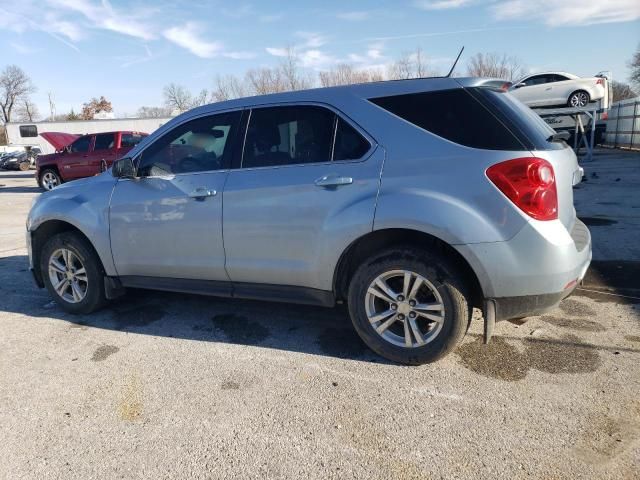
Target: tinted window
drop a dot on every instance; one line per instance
(81, 144)
(288, 135)
(130, 139)
(349, 144)
(28, 131)
(104, 141)
(523, 122)
(536, 80)
(454, 115)
(200, 145)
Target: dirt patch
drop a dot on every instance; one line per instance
(137, 316)
(130, 404)
(504, 361)
(230, 385)
(632, 338)
(239, 329)
(574, 324)
(103, 352)
(576, 308)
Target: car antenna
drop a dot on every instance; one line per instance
(455, 63)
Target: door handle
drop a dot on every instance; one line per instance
(201, 193)
(333, 181)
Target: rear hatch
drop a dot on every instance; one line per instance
(537, 137)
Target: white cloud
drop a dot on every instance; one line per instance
(23, 49)
(188, 37)
(239, 55)
(311, 39)
(277, 52)
(316, 59)
(441, 4)
(274, 17)
(568, 12)
(354, 16)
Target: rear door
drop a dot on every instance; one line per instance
(74, 163)
(297, 193)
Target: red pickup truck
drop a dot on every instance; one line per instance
(81, 156)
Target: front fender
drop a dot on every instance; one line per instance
(84, 204)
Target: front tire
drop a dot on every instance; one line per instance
(409, 305)
(24, 166)
(578, 99)
(49, 179)
(73, 274)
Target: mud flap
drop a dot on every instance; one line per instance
(113, 288)
(489, 319)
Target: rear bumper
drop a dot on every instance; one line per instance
(534, 271)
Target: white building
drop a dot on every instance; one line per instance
(23, 134)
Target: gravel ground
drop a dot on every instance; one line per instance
(177, 386)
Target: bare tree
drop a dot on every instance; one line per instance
(15, 85)
(621, 91)
(200, 99)
(153, 112)
(52, 106)
(27, 111)
(228, 87)
(494, 65)
(265, 80)
(409, 65)
(294, 78)
(176, 97)
(347, 74)
(634, 65)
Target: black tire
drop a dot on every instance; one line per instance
(48, 171)
(575, 95)
(24, 166)
(442, 274)
(94, 298)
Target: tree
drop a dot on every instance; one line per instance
(15, 85)
(228, 87)
(347, 74)
(176, 97)
(153, 112)
(494, 65)
(27, 111)
(621, 91)
(265, 80)
(95, 105)
(635, 68)
(292, 76)
(73, 115)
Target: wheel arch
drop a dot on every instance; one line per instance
(374, 241)
(44, 168)
(44, 232)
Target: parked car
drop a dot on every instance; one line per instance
(21, 160)
(558, 89)
(81, 156)
(412, 201)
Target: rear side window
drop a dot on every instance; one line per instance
(130, 139)
(454, 115)
(288, 135)
(349, 144)
(104, 141)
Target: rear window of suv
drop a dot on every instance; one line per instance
(479, 117)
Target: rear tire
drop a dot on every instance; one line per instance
(73, 273)
(578, 99)
(49, 179)
(406, 335)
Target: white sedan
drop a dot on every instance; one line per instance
(558, 89)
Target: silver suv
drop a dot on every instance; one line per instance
(412, 201)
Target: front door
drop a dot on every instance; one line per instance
(74, 163)
(297, 195)
(104, 150)
(167, 223)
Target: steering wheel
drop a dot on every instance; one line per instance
(203, 162)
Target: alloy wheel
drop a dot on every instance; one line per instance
(49, 181)
(579, 99)
(68, 275)
(404, 308)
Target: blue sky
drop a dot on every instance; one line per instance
(128, 51)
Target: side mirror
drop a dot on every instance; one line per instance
(520, 85)
(123, 168)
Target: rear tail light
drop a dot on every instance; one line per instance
(505, 86)
(600, 81)
(530, 184)
(604, 116)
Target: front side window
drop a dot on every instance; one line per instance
(28, 131)
(81, 145)
(200, 145)
(288, 135)
(104, 141)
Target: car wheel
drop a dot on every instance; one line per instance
(24, 166)
(72, 273)
(409, 305)
(49, 179)
(578, 99)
